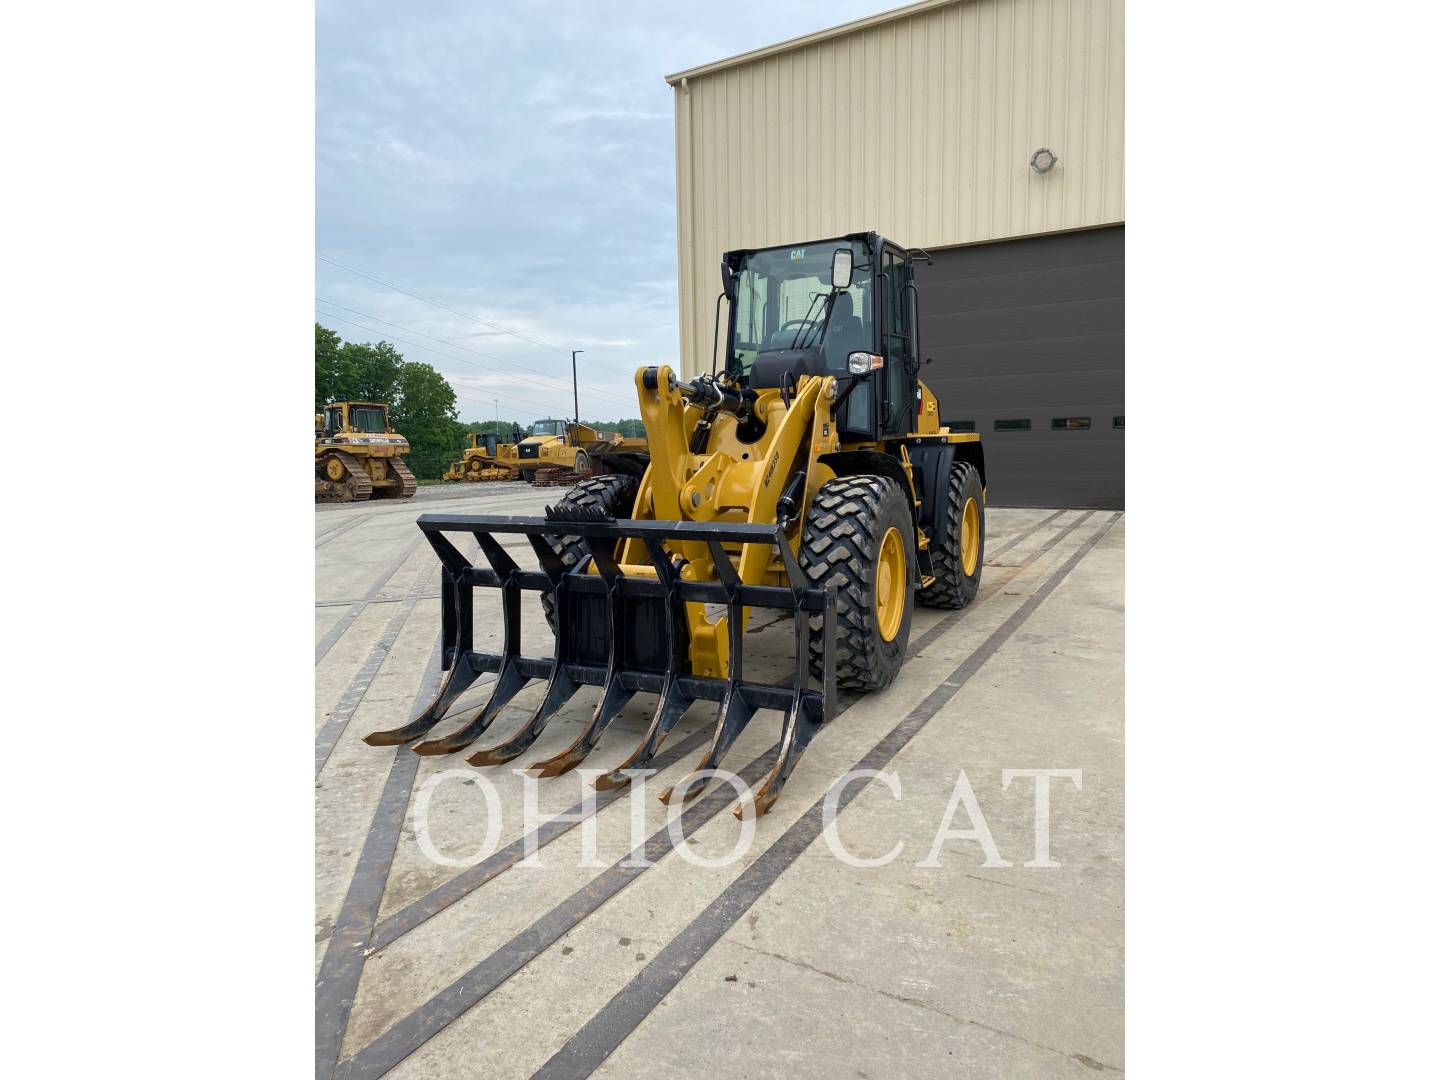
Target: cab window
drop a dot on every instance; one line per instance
(368, 419)
(899, 342)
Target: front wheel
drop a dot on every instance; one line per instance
(860, 535)
(613, 496)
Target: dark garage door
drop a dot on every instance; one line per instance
(1028, 342)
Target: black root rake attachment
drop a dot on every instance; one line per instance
(625, 633)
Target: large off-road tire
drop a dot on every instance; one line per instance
(957, 550)
(860, 535)
(582, 463)
(615, 496)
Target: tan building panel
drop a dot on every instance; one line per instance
(919, 124)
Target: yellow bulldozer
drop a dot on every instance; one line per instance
(357, 454)
(486, 459)
(810, 475)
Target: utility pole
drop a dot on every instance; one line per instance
(575, 378)
(497, 414)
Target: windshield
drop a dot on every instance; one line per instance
(548, 427)
(367, 418)
(784, 301)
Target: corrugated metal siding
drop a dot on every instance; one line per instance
(920, 128)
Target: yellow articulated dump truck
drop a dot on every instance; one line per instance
(564, 444)
(485, 459)
(810, 474)
(357, 454)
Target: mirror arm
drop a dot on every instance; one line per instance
(715, 341)
(849, 389)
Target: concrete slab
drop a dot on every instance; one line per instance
(887, 971)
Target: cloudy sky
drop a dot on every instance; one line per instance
(495, 184)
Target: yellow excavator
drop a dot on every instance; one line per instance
(357, 454)
(810, 474)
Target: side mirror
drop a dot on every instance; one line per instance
(727, 280)
(842, 267)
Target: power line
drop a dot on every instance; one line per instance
(544, 410)
(559, 384)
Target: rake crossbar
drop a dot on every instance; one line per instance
(625, 633)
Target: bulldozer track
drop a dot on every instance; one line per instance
(355, 488)
(402, 473)
(357, 934)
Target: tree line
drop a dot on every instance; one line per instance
(422, 404)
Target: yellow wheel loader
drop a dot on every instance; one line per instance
(486, 459)
(357, 454)
(810, 475)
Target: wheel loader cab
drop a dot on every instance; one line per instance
(842, 307)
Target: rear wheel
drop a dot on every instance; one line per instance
(957, 551)
(582, 462)
(860, 535)
(614, 496)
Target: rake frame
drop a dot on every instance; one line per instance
(630, 665)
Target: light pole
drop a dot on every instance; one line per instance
(575, 378)
(497, 414)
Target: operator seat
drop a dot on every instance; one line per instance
(845, 334)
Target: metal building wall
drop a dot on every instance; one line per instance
(918, 124)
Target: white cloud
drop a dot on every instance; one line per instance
(516, 162)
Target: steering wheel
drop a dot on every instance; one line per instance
(795, 322)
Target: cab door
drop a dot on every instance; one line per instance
(897, 341)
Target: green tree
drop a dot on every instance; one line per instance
(424, 412)
(327, 366)
(630, 428)
(351, 371)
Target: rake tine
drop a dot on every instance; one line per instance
(614, 695)
(611, 702)
(673, 705)
(558, 691)
(798, 730)
(457, 617)
(800, 725)
(735, 713)
(460, 678)
(509, 681)
(561, 687)
(673, 702)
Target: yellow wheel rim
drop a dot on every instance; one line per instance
(335, 469)
(890, 584)
(970, 537)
